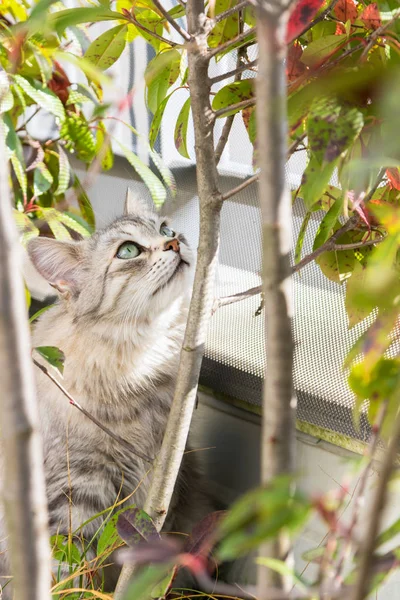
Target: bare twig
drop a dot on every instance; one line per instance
(76, 404)
(359, 493)
(168, 462)
(231, 11)
(378, 32)
(241, 187)
(23, 489)
(152, 33)
(223, 139)
(238, 106)
(255, 178)
(373, 522)
(239, 38)
(243, 67)
(182, 32)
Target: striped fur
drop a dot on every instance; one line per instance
(120, 324)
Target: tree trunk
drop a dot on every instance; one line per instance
(23, 491)
(169, 460)
(278, 425)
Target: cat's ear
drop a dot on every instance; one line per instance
(134, 205)
(58, 262)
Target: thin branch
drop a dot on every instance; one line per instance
(373, 522)
(238, 106)
(223, 138)
(186, 36)
(241, 187)
(76, 404)
(231, 11)
(28, 119)
(378, 32)
(328, 246)
(239, 38)
(152, 33)
(319, 18)
(240, 69)
(23, 490)
(359, 493)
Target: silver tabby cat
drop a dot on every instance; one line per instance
(120, 319)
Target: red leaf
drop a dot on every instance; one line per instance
(394, 178)
(346, 10)
(294, 66)
(302, 15)
(340, 29)
(371, 17)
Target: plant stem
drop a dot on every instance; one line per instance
(278, 422)
(23, 490)
(76, 404)
(239, 38)
(238, 106)
(243, 67)
(231, 11)
(169, 459)
(182, 32)
(374, 519)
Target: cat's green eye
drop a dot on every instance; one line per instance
(128, 250)
(167, 231)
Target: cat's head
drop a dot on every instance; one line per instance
(136, 267)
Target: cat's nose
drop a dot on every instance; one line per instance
(172, 245)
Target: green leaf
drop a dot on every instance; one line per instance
(166, 173)
(388, 534)
(152, 21)
(103, 145)
(318, 50)
(226, 29)
(157, 119)
(156, 188)
(28, 298)
(142, 586)
(356, 311)
(64, 173)
(15, 153)
(315, 180)
(62, 19)
(181, 127)
(378, 384)
(42, 179)
(41, 9)
(337, 266)
(93, 74)
(325, 229)
(232, 93)
(42, 96)
(331, 128)
(300, 239)
(84, 203)
(282, 568)
(54, 356)
(78, 137)
(161, 72)
(51, 216)
(6, 97)
(71, 222)
(259, 515)
(107, 48)
(25, 226)
(40, 311)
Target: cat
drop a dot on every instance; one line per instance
(120, 320)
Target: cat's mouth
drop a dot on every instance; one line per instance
(182, 264)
